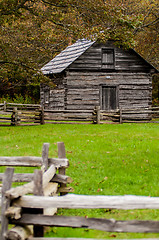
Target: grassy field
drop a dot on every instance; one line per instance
(104, 159)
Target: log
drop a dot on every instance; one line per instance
(5, 118)
(28, 188)
(32, 161)
(21, 161)
(50, 190)
(74, 201)
(59, 178)
(28, 177)
(13, 212)
(18, 232)
(24, 105)
(20, 177)
(65, 190)
(59, 162)
(5, 203)
(108, 225)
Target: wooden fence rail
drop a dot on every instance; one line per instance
(28, 114)
(145, 115)
(21, 114)
(38, 209)
(68, 116)
(47, 182)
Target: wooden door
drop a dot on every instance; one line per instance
(108, 98)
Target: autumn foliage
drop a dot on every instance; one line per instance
(33, 32)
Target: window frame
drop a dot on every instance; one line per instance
(109, 64)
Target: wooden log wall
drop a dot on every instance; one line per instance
(53, 98)
(134, 90)
(125, 60)
(81, 85)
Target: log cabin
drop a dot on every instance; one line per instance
(88, 74)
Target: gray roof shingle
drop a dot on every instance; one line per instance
(66, 57)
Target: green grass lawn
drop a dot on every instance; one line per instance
(104, 159)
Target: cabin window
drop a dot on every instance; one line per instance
(108, 58)
(108, 97)
(46, 96)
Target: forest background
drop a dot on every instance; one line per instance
(32, 32)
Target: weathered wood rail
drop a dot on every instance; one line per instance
(20, 114)
(37, 210)
(144, 115)
(28, 114)
(45, 182)
(68, 116)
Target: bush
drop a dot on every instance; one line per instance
(18, 98)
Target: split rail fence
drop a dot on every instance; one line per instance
(143, 115)
(25, 210)
(28, 114)
(21, 114)
(50, 181)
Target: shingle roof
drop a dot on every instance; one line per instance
(66, 57)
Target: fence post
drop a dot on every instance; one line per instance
(98, 114)
(61, 154)
(14, 117)
(121, 119)
(7, 183)
(38, 191)
(42, 121)
(5, 106)
(45, 155)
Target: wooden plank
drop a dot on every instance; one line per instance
(31, 161)
(5, 202)
(59, 162)
(50, 190)
(19, 233)
(20, 177)
(28, 177)
(108, 225)
(59, 178)
(66, 111)
(13, 212)
(5, 113)
(5, 118)
(24, 105)
(70, 122)
(73, 201)
(28, 188)
(21, 161)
